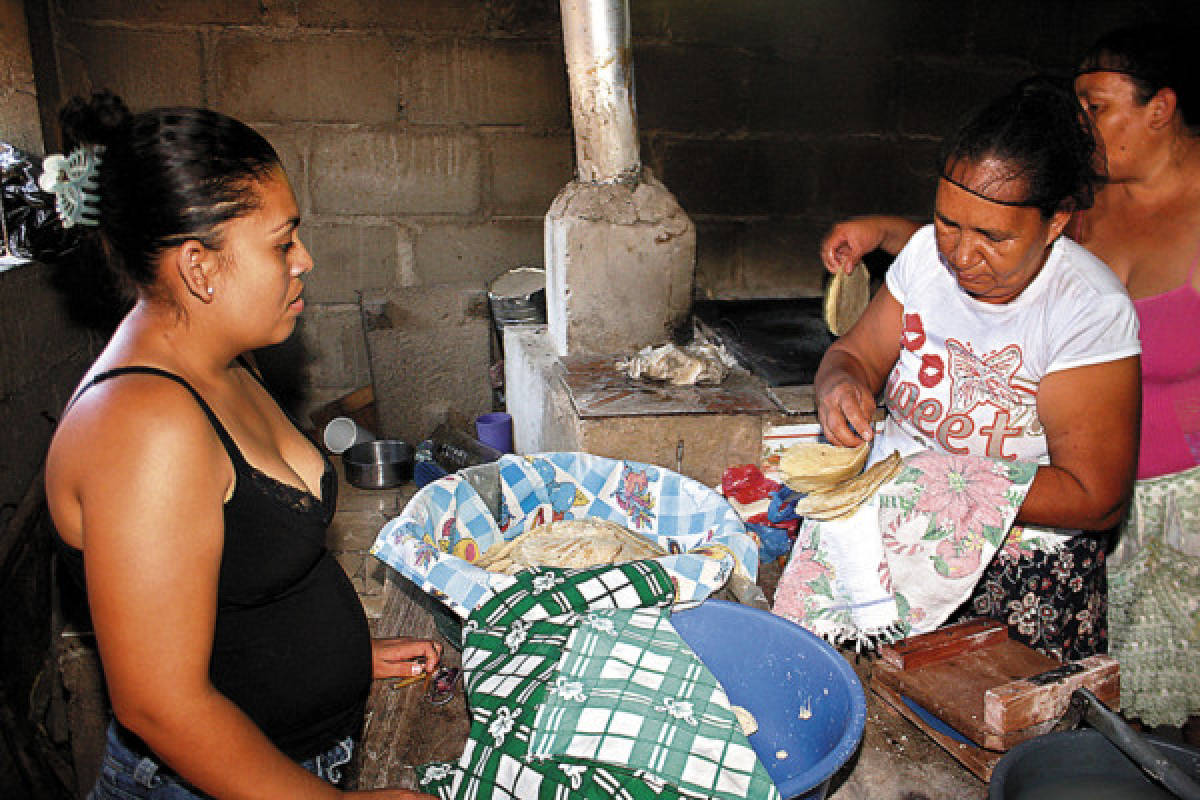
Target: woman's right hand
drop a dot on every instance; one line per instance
(848, 241)
(844, 409)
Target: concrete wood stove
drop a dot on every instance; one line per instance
(620, 258)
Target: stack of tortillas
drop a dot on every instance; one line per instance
(573, 543)
(815, 466)
(846, 298)
(833, 477)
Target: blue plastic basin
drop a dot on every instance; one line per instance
(807, 700)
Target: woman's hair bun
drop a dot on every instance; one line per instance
(101, 119)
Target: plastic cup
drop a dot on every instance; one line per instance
(495, 430)
(342, 433)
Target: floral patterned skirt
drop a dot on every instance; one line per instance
(1055, 601)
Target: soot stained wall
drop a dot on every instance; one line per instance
(427, 138)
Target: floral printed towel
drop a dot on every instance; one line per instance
(447, 525)
(908, 556)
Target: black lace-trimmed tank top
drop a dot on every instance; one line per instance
(291, 646)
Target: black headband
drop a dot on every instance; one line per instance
(1127, 72)
(982, 196)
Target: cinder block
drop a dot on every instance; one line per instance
(760, 258)
(425, 307)
(781, 258)
(719, 245)
(792, 178)
(31, 415)
(35, 332)
(389, 171)
(459, 16)
(869, 175)
(19, 118)
(18, 94)
(759, 25)
(485, 81)
(327, 77)
(1038, 41)
(142, 80)
(176, 12)
(473, 254)
(822, 96)
(786, 29)
(292, 144)
(729, 177)
(933, 98)
(688, 89)
(430, 352)
(710, 442)
(333, 335)
(528, 171)
(351, 257)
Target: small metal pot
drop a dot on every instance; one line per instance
(378, 464)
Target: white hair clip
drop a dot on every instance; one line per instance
(72, 179)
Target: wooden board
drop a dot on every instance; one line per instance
(929, 648)
(994, 691)
(1021, 704)
(978, 760)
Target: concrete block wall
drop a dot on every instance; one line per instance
(427, 138)
(42, 357)
(771, 119)
(425, 141)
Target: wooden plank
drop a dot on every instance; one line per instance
(928, 648)
(401, 728)
(1029, 701)
(980, 761)
(953, 689)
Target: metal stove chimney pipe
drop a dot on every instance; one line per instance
(596, 41)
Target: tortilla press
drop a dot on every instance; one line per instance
(978, 693)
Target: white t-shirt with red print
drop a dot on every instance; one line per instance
(968, 374)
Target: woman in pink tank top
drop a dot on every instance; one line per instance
(1170, 379)
(1140, 92)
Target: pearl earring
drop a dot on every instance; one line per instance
(210, 291)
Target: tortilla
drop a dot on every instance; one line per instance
(846, 298)
(814, 466)
(745, 720)
(849, 495)
(573, 543)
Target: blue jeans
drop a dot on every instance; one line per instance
(125, 775)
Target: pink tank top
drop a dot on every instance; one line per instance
(1170, 333)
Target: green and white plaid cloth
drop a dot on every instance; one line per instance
(515, 646)
(630, 691)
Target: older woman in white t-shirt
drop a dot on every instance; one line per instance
(996, 336)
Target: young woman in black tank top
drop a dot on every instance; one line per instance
(234, 648)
